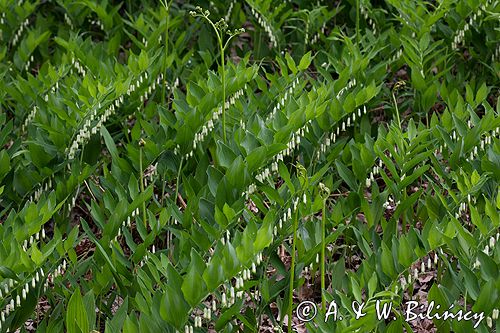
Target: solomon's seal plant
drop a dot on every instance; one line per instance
(221, 30)
(162, 172)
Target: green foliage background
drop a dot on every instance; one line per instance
(138, 193)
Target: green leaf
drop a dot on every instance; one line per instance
(305, 61)
(6, 272)
(36, 255)
(283, 171)
(4, 163)
(214, 274)
(413, 176)
(346, 175)
(356, 290)
(103, 252)
(76, 315)
(89, 301)
(387, 261)
(193, 286)
(236, 173)
(117, 321)
(143, 61)
(405, 252)
(174, 309)
(110, 143)
(291, 63)
(478, 220)
(487, 297)
(481, 94)
(265, 233)
(225, 156)
(227, 315)
(372, 285)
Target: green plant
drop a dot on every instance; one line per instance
(325, 193)
(160, 174)
(220, 28)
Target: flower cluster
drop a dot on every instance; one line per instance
(2, 22)
(406, 282)
(82, 137)
(227, 237)
(206, 129)
(32, 239)
(198, 321)
(397, 55)
(291, 145)
(316, 37)
(84, 134)
(150, 173)
(331, 137)
(29, 118)
(12, 305)
(265, 172)
(72, 204)
(199, 12)
(371, 23)
(350, 84)
(9, 284)
(239, 283)
(496, 55)
(390, 204)
(42, 188)
(494, 316)
(487, 140)
(98, 23)
(287, 216)
(60, 270)
(288, 93)
(20, 31)
(490, 246)
(140, 80)
(460, 35)
(474, 152)
(461, 209)
(78, 66)
(267, 27)
(375, 171)
(91, 128)
(34, 110)
(151, 87)
(128, 221)
(229, 10)
(177, 149)
(229, 293)
(28, 63)
(68, 20)
(146, 256)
